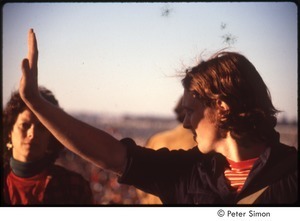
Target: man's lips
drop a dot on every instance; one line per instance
(195, 135)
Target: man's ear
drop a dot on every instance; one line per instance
(222, 105)
(222, 110)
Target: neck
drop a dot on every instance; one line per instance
(231, 150)
(28, 169)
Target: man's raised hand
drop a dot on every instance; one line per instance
(29, 84)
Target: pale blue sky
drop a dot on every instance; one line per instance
(120, 58)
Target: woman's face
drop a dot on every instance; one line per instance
(30, 139)
(200, 120)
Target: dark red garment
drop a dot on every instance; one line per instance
(27, 190)
(53, 186)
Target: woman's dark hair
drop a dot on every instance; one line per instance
(232, 78)
(13, 108)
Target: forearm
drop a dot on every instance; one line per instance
(88, 142)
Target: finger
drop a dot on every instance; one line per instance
(32, 50)
(28, 82)
(25, 68)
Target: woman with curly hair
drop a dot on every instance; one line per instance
(238, 158)
(30, 175)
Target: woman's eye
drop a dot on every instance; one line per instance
(25, 126)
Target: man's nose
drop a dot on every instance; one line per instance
(186, 122)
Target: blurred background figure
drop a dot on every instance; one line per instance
(174, 139)
(31, 176)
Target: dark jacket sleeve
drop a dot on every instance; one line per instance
(156, 171)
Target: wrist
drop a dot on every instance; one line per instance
(32, 100)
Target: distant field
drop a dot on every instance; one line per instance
(288, 134)
(141, 128)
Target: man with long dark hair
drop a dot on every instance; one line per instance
(238, 157)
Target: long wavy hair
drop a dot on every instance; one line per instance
(232, 78)
(13, 108)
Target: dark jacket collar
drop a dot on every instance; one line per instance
(271, 165)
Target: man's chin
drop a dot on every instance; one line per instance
(203, 149)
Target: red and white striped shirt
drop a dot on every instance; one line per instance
(238, 172)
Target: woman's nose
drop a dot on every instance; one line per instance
(31, 132)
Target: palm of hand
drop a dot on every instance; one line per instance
(29, 85)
